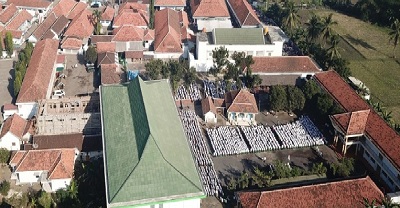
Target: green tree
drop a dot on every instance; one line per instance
(319, 169)
(292, 19)
(28, 51)
(17, 82)
(344, 168)
(220, 58)
(4, 188)
(4, 155)
(278, 98)
(333, 51)
(388, 203)
(324, 103)
(314, 28)
(281, 170)
(45, 200)
(91, 55)
(369, 204)
(96, 16)
(152, 13)
(387, 116)
(310, 88)
(1, 45)
(154, 67)
(260, 178)
(244, 180)
(232, 184)
(189, 77)
(242, 61)
(395, 35)
(295, 98)
(327, 27)
(232, 72)
(341, 66)
(9, 44)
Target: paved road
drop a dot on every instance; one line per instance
(6, 84)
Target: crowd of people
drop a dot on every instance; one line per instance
(192, 93)
(227, 140)
(203, 160)
(217, 89)
(290, 49)
(260, 138)
(295, 134)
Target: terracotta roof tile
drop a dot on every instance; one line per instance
(240, 101)
(18, 20)
(8, 13)
(169, 3)
(63, 7)
(108, 13)
(65, 168)
(30, 3)
(183, 18)
(60, 59)
(219, 102)
(76, 140)
(148, 35)
(110, 74)
(133, 6)
(78, 8)
(130, 18)
(381, 134)
(207, 105)
(352, 123)
(106, 58)
(105, 47)
(128, 33)
(17, 156)
(347, 193)
(44, 26)
(81, 26)
(209, 8)
(167, 31)
(38, 75)
(134, 54)
(59, 25)
(14, 33)
(15, 125)
(94, 39)
(284, 64)
(244, 12)
(9, 106)
(71, 43)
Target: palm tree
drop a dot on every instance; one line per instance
(369, 204)
(334, 49)
(387, 116)
(314, 27)
(387, 203)
(326, 28)
(73, 189)
(395, 35)
(96, 15)
(292, 18)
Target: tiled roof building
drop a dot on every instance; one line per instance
(244, 13)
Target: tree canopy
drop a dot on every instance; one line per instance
(91, 55)
(278, 98)
(220, 58)
(9, 44)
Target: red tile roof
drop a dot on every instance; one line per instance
(284, 64)
(134, 54)
(8, 13)
(30, 3)
(167, 31)
(58, 162)
(71, 43)
(63, 7)
(207, 105)
(183, 18)
(17, 34)
(105, 47)
(9, 106)
(347, 193)
(106, 58)
(130, 18)
(148, 34)
(81, 26)
(78, 8)
(59, 25)
(133, 6)
(14, 124)
(76, 140)
(38, 75)
(381, 134)
(209, 8)
(18, 20)
(60, 59)
(352, 123)
(244, 12)
(169, 3)
(94, 39)
(241, 101)
(108, 13)
(44, 26)
(128, 33)
(110, 74)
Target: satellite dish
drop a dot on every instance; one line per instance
(35, 145)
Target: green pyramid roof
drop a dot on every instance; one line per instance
(147, 156)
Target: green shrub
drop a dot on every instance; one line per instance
(4, 188)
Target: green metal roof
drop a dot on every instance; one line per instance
(146, 152)
(239, 36)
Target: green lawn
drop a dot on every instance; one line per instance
(369, 52)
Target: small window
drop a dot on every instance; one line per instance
(37, 176)
(13, 144)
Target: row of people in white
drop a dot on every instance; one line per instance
(227, 140)
(192, 93)
(204, 164)
(260, 138)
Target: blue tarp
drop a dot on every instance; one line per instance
(132, 74)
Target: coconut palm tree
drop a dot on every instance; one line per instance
(387, 116)
(395, 35)
(369, 204)
(292, 18)
(314, 27)
(333, 51)
(326, 28)
(96, 15)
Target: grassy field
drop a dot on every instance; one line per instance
(370, 54)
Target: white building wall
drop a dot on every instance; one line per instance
(8, 113)
(210, 23)
(210, 117)
(29, 176)
(59, 183)
(7, 142)
(27, 110)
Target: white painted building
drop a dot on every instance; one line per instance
(14, 132)
(209, 110)
(210, 14)
(253, 41)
